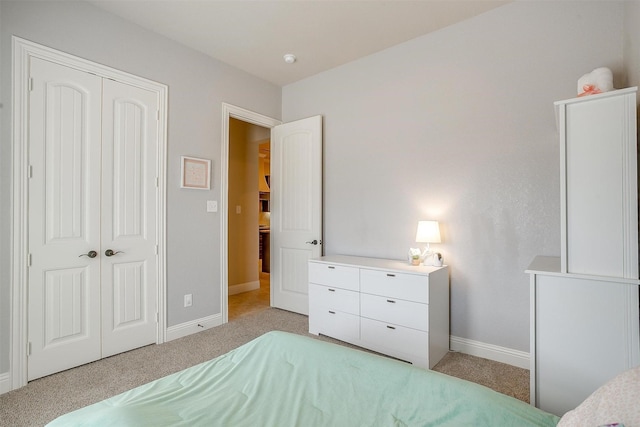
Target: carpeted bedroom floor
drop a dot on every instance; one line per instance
(44, 399)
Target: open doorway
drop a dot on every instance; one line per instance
(229, 206)
(295, 226)
(248, 216)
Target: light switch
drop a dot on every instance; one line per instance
(238, 209)
(212, 206)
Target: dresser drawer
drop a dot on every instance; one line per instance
(394, 340)
(333, 323)
(411, 287)
(335, 299)
(334, 275)
(399, 312)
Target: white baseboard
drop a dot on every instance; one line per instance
(516, 358)
(194, 326)
(244, 287)
(5, 382)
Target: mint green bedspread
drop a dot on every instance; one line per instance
(281, 379)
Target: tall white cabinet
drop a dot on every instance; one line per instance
(599, 184)
(584, 304)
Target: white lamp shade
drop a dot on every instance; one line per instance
(428, 232)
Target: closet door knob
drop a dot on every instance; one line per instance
(313, 242)
(110, 252)
(90, 254)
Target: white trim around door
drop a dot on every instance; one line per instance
(23, 51)
(229, 111)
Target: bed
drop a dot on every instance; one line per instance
(282, 379)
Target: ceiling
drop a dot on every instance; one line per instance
(254, 35)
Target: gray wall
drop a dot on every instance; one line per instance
(456, 126)
(197, 87)
(632, 42)
(459, 126)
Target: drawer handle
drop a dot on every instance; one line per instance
(331, 267)
(332, 290)
(390, 327)
(332, 312)
(391, 301)
(391, 275)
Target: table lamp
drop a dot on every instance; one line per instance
(428, 232)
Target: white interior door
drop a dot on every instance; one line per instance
(64, 218)
(93, 156)
(129, 200)
(296, 210)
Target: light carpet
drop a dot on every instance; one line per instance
(46, 398)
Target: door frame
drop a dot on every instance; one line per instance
(23, 50)
(231, 111)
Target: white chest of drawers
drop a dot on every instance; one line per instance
(384, 305)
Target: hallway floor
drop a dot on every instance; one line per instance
(251, 301)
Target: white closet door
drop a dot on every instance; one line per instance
(129, 197)
(296, 210)
(64, 218)
(93, 191)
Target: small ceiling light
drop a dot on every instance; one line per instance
(289, 58)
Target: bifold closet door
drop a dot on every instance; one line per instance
(92, 218)
(64, 218)
(129, 215)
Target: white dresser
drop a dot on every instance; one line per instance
(384, 305)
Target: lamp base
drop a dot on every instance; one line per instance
(425, 255)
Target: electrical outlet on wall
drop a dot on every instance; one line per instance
(188, 300)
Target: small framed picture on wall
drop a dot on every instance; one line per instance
(196, 173)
